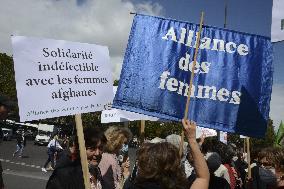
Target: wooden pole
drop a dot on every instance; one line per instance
(142, 131)
(248, 158)
(191, 81)
(83, 154)
(244, 146)
(193, 66)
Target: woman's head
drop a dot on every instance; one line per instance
(116, 137)
(160, 163)
(95, 141)
(266, 157)
(271, 156)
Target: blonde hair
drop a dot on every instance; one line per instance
(116, 136)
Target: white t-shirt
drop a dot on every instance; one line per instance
(54, 142)
(222, 171)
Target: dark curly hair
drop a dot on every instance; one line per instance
(160, 163)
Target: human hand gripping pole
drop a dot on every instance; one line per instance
(125, 171)
(199, 163)
(189, 129)
(125, 168)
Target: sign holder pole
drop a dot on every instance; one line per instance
(248, 158)
(83, 153)
(142, 131)
(191, 81)
(244, 151)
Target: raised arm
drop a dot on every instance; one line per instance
(200, 165)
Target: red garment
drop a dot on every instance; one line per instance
(231, 172)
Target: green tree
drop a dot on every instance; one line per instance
(279, 135)
(115, 83)
(7, 79)
(267, 141)
(7, 82)
(161, 129)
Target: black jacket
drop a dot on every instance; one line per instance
(67, 174)
(145, 185)
(21, 140)
(218, 183)
(1, 177)
(262, 178)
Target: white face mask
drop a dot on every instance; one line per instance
(272, 170)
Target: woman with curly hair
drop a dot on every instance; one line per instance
(114, 172)
(269, 174)
(159, 165)
(160, 162)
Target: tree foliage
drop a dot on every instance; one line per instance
(115, 82)
(7, 82)
(268, 140)
(7, 79)
(161, 129)
(255, 143)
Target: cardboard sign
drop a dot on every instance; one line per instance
(277, 25)
(223, 137)
(242, 136)
(117, 115)
(205, 131)
(57, 78)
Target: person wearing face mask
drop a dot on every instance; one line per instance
(123, 154)
(263, 173)
(115, 172)
(68, 171)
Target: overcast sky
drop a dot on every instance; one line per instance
(108, 22)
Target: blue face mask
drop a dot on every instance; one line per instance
(123, 153)
(124, 149)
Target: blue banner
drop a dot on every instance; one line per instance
(232, 82)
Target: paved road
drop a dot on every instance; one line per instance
(25, 173)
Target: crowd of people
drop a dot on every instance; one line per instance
(203, 163)
(159, 164)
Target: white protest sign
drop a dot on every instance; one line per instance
(242, 136)
(223, 137)
(57, 78)
(277, 25)
(205, 131)
(117, 115)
